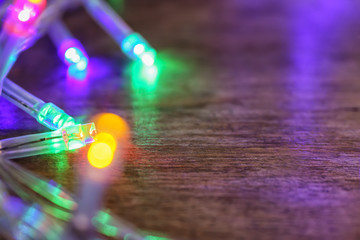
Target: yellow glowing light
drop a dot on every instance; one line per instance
(112, 131)
(107, 139)
(100, 155)
(113, 125)
(36, 1)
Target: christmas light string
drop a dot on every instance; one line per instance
(19, 25)
(131, 43)
(67, 138)
(59, 210)
(42, 209)
(70, 50)
(55, 206)
(46, 114)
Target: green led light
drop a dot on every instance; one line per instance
(136, 47)
(139, 49)
(148, 58)
(53, 117)
(144, 78)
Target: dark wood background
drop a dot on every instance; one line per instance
(251, 131)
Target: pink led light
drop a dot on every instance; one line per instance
(22, 15)
(25, 14)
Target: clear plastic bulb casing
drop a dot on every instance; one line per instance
(64, 139)
(53, 117)
(78, 135)
(47, 114)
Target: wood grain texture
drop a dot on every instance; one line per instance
(251, 131)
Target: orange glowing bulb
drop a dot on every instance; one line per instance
(112, 131)
(113, 125)
(100, 155)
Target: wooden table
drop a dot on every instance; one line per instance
(249, 131)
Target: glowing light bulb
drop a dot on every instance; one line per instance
(24, 15)
(148, 59)
(104, 159)
(36, 1)
(28, 9)
(70, 50)
(136, 47)
(108, 139)
(100, 155)
(112, 124)
(74, 55)
(113, 132)
(139, 49)
(82, 64)
(77, 73)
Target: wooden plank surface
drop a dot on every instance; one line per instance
(250, 131)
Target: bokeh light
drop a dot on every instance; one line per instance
(36, 1)
(112, 124)
(139, 49)
(111, 129)
(107, 139)
(24, 15)
(100, 155)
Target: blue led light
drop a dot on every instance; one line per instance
(74, 73)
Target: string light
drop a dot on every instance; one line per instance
(78, 135)
(136, 47)
(70, 50)
(131, 43)
(67, 138)
(47, 114)
(22, 15)
(44, 209)
(19, 25)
